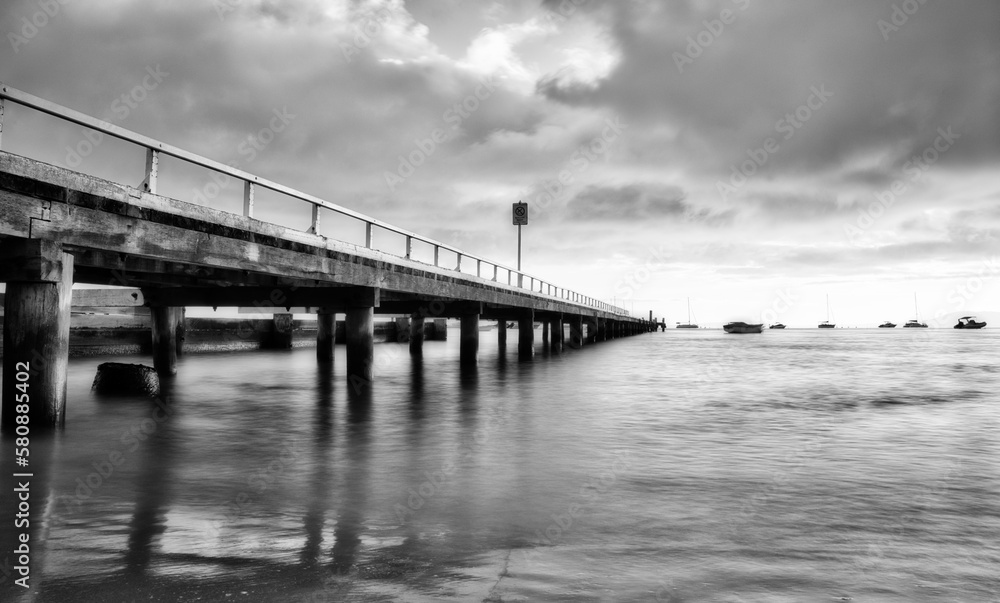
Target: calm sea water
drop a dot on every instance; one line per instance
(796, 465)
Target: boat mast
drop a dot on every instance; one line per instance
(689, 310)
(827, 307)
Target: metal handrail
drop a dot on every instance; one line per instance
(154, 148)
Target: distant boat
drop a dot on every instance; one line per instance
(689, 324)
(915, 322)
(742, 327)
(887, 325)
(777, 325)
(826, 324)
(969, 322)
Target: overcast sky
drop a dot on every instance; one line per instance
(741, 153)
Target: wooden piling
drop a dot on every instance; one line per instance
(526, 334)
(360, 333)
(469, 344)
(557, 335)
(576, 331)
(164, 326)
(281, 334)
(39, 279)
(416, 333)
(326, 335)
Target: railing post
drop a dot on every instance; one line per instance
(315, 220)
(479, 265)
(1, 122)
(437, 251)
(458, 266)
(495, 274)
(409, 246)
(368, 235)
(152, 169)
(248, 192)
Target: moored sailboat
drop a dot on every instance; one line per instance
(826, 324)
(915, 322)
(689, 324)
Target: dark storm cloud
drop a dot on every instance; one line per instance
(638, 204)
(786, 207)
(940, 69)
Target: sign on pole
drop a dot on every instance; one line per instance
(520, 213)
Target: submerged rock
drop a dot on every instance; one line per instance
(118, 378)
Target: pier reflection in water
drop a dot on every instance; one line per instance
(632, 470)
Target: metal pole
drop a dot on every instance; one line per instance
(519, 275)
(518, 247)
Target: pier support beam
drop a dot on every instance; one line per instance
(576, 332)
(402, 329)
(180, 331)
(164, 321)
(39, 277)
(591, 322)
(602, 329)
(416, 333)
(526, 334)
(281, 333)
(326, 334)
(359, 334)
(545, 333)
(557, 334)
(502, 332)
(469, 344)
(359, 327)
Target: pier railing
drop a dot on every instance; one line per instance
(155, 148)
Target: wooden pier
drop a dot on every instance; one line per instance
(59, 227)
